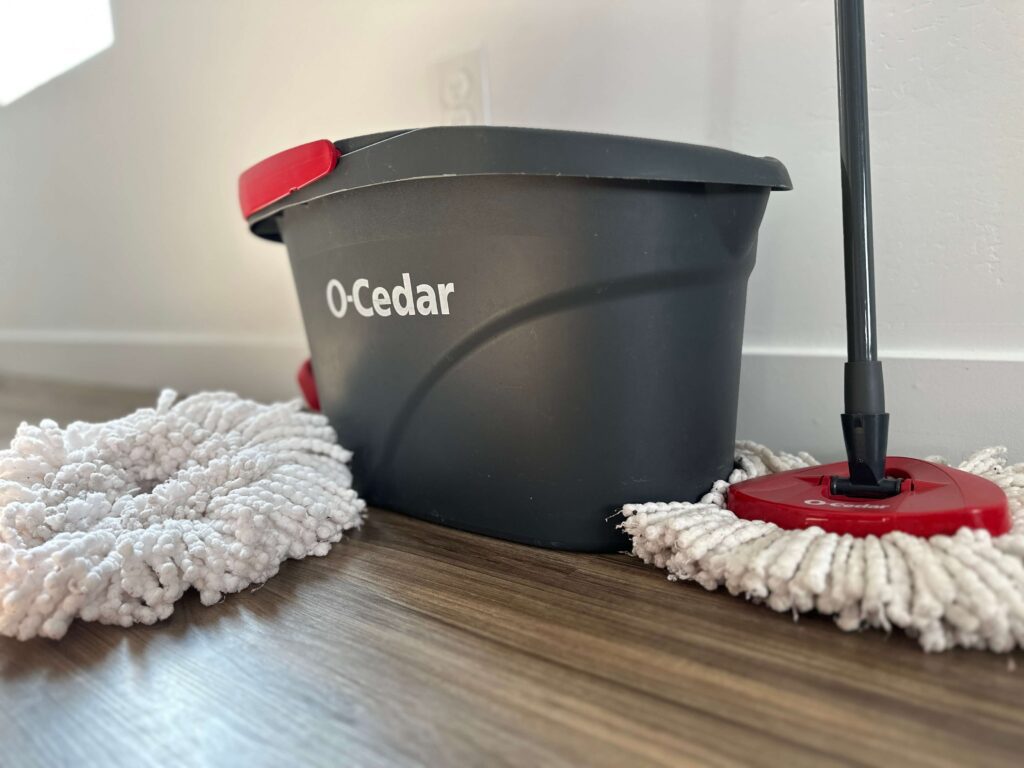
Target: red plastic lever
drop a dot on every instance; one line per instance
(279, 175)
(307, 383)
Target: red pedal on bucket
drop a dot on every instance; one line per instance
(307, 383)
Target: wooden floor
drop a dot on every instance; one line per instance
(411, 644)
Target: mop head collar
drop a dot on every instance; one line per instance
(113, 522)
(964, 589)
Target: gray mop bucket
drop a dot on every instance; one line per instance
(518, 331)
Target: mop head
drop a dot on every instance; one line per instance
(113, 522)
(947, 591)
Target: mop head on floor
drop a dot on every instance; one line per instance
(947, 591)
(113, 522)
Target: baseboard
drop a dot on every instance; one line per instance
(940, 405)
(790, 398)
(259, 367)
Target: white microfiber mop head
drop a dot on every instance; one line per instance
(113, 522)
(947, 591)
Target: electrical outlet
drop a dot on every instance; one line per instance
(463, 91)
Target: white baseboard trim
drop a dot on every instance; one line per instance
(949, 354)
(790, 397)
(941, 406)
(254, 366)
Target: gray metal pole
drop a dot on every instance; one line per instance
(865, 422)
(855, 154)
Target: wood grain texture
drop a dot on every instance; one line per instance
(413, 644)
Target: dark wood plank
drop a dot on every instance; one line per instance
(416, 644)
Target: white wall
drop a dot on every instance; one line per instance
(124, 257)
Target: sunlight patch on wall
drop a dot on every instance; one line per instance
(42, 39)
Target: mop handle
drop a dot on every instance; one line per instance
(855, 156)
(865, 422)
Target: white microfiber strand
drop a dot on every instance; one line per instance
(963, 590)
(113, 522)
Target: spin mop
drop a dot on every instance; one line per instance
(113, 522)
(875, 541)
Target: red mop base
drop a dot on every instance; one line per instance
(934, 499)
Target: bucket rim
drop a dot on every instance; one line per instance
(457, 151)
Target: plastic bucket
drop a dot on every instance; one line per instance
(518, 331)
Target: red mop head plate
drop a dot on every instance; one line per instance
(934, 499)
